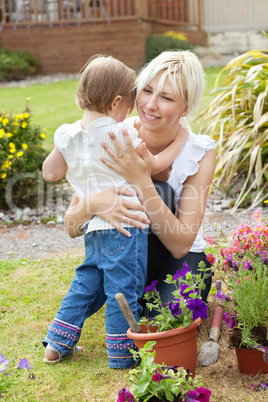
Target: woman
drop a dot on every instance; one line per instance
(169, 88)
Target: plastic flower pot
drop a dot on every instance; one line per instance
(250, 361)
(176, 347)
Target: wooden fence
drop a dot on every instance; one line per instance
(39, 12)
(62, 34)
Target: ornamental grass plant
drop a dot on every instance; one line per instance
(237, 118)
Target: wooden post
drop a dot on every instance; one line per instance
(142, 9)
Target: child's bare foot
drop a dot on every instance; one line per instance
(52, 356)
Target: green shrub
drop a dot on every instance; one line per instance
(16, 65)
(237, 118)
(21, 156)
(157, 44)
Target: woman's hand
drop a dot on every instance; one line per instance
(114, 209)
(107, 205)
(136, 169)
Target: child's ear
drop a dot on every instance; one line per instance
(115, 103)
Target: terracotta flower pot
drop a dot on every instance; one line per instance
(250, 361)
(176, 347)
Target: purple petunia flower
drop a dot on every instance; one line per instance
(124, 395)
(24, 364)
(183, 291)
(3, 363)
(191, 396)
(204, 394)
(175, 309)
(151, 287)
(157, 377)
(263, 385)
(230, 320)
(220, 295)
(182, 272)
(198, 307)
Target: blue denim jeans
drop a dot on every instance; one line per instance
(113, 263)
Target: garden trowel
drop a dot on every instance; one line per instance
(124, 307)
(209, 351)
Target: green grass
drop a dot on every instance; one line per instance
(30, 295)
(53, 104)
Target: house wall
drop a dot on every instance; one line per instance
(66, 48)
(235, 15)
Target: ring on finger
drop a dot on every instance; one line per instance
(124, 219)
(122, 153)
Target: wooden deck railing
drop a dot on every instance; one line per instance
(39, 12)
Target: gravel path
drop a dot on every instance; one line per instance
(42, 241)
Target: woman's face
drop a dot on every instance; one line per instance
(160, 111)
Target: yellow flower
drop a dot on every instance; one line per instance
(13, 150)
(12, 145)
(19, 153)
(26, 115)
(5, 121)
(3, 175)
(28, 99)
(43, 135)
(1, 118)
(9, 134)
(10, 156)
(15, 123)
(21, 116)
(2, 132)
(24, 146)
(15, 131)
(24, 124)
(266, 202)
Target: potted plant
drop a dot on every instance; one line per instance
(246, 295)
(173, 326)
(152, 382)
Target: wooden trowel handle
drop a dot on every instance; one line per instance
(124, 307)
(215, 328)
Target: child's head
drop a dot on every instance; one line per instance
(184, 71)
(103, 79)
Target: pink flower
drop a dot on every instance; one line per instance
(210, 240)
(257, 215)
(210, 258)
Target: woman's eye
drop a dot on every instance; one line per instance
(146, 90)
(166, 98)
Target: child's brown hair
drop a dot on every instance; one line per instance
(103, 78)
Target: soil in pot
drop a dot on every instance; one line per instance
(259, 333)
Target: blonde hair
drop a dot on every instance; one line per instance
(184, 71)
(103, 78)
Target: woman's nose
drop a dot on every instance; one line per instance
(152, 103)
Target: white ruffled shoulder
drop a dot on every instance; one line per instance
(65, 132)
(186, 163)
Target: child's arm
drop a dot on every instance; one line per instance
(54, 166)
(164, 159)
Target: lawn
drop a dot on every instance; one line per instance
(30, 295)
(53, 104)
